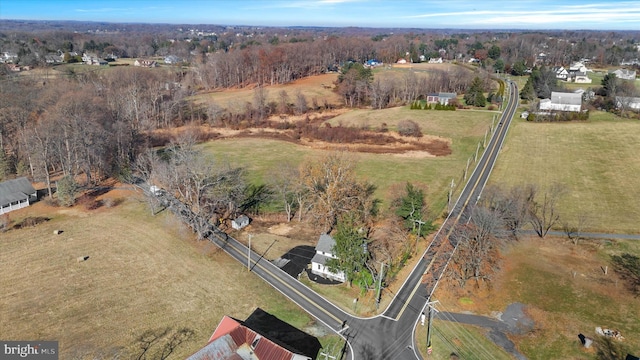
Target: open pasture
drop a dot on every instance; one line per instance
(142, 273)
(597, 161)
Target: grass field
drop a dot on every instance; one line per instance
(596, 161)
(463, 128)
(143, 273)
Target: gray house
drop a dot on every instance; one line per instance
(16, 194)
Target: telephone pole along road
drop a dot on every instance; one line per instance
(389, 336)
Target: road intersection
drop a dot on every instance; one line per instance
(390, 335)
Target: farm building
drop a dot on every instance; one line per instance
(16, 194)
(561, 101)
(261, 336)
(240, 222)
(324, 252)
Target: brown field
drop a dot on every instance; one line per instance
(566, 293)
(143, 273)
(318, 87)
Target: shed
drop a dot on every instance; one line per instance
(16, 194)
(240, 222)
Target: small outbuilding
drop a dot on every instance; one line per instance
(16, 194)
(240, 222)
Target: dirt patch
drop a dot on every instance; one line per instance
(280, 229)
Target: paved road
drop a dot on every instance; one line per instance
(389, 336)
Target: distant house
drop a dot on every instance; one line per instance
(561, 101)
(435, 60)
(16, 194)
(628, 103)
(261, 336)
(240, 222)
(561, 73)
(145, 63)
(578, 73)
(401, 61)
(324, 252)
(630, 62)
(93, 59)
(172, 59)
(442, 98)
(372, 63)
(624, 74)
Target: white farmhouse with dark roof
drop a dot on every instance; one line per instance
(324, 252)
(16, 194)
(561, 101)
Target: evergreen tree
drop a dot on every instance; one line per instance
(411, 208)
(475, 95)
(527, 92)
(67, 189)
(350, 249)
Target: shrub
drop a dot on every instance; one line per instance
(409, 128)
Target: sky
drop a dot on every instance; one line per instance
(427, 14)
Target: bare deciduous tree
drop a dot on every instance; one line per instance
(478, 242)
(333, 190)
(543, 209)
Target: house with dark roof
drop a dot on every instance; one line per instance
(561, 101)
(261, 336)
(16, 194)
(560, 72)
(324, 252)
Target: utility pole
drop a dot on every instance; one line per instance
(380, 284)
(431, 307)
(475, 158)
(249, 256)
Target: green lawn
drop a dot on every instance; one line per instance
(597, 161)
(463, 128)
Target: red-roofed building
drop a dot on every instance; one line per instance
(236, 340)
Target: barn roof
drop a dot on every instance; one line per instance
(15, 190)
(566, 98)
(262, 336)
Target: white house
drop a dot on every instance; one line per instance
(240, 222)
(16, 194)
(624, 74)
(578, 73)
(401, 61)
(561, 101)
(435, 60)
(442, 98)
(628, 103)
(561, 73)
(324, 252)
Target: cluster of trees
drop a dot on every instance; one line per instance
(499, 217)
(423, 105)
(540, 84)
(90, 126)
